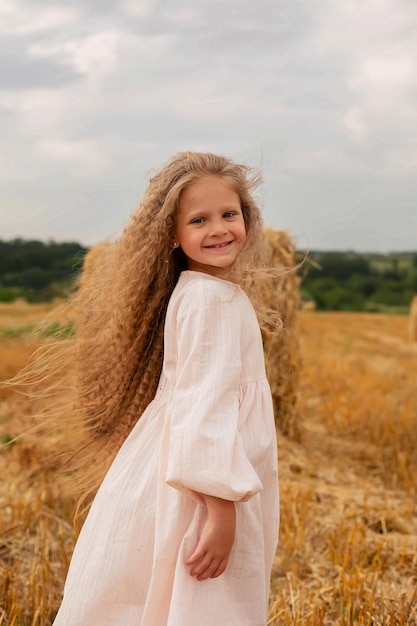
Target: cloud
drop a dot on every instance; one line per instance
(374, 43)
(355, 123)
(94, 54)
(139, 10)
(387, 80)
(85, 155)
(20, 19)
(20, 72)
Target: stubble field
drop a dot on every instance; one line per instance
(348, 541)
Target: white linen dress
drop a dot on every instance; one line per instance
(210, 429)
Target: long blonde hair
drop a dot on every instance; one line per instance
(119, 310)
(123, 304)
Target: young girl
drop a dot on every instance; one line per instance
(183, 529)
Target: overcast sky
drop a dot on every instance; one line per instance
(319, 94)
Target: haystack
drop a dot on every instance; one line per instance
(282, 350)
(412, 320)
(90, 260)
(282, 353)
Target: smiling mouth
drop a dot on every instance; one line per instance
(219, 246)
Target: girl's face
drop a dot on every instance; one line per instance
(210, 227)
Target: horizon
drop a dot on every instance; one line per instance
(319, 95)
(50, 241)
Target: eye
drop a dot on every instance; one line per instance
(230, 214)
(197, 220)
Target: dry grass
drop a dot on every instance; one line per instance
(348, 544)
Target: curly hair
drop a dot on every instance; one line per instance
(120, 308)
(123, 302)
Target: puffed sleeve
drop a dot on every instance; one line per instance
(205, 452)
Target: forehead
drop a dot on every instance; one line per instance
(209, 192)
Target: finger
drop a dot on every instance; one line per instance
(201, 567)
(209, 571)
(196, 556)
(220, 569)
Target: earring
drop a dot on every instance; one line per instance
(174, 245)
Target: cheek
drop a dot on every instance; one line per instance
(243, 234)
(190, 241)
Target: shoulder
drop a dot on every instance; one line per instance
(196, 288)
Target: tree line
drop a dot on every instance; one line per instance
(345, 281)
(38, 271)
(349, 281)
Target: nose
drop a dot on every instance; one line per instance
(218, 228)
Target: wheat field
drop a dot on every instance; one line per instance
(348, 540)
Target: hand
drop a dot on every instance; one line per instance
(210, 558)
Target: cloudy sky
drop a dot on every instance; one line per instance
(319, 94)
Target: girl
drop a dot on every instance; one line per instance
(183, 529)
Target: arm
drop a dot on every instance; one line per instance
(205, 453)
(210, 558)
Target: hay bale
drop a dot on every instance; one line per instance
(282, 350)
(310, 305)
(90, 260)
(412, 320)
